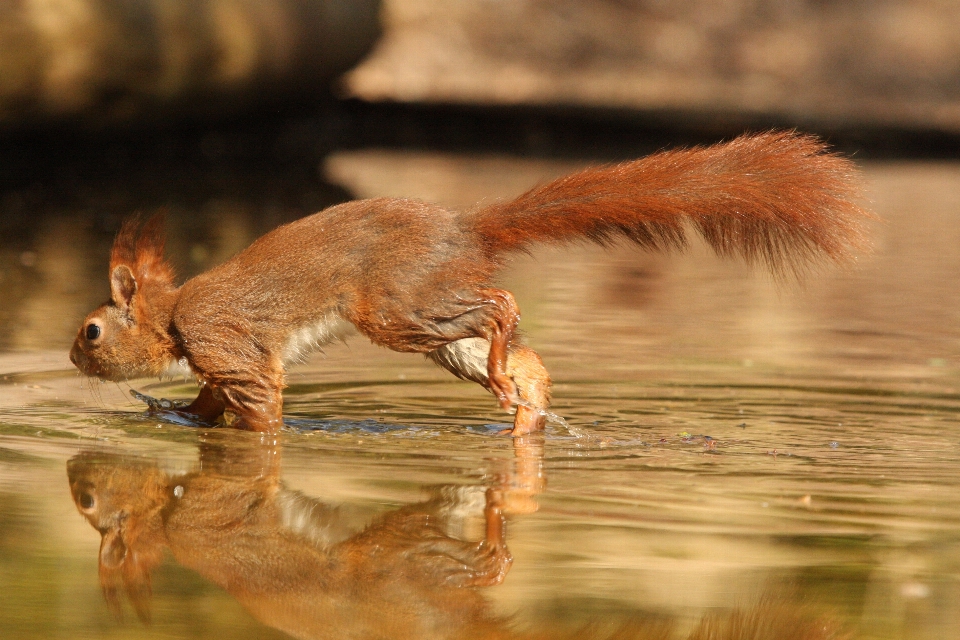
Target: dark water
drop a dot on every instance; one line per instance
(744, 459)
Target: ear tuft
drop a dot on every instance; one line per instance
(123, 286)
(150, 263)
(140, 248)
(125, 244)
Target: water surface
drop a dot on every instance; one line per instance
(740, 454)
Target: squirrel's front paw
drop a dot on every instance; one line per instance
(157, 404)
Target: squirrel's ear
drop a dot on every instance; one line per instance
(122, 286)
(112, 549)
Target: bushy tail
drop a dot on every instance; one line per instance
(779, 198)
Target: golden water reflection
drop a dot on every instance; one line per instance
(295, 563)
(317, 570)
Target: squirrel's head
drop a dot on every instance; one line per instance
(127, 336)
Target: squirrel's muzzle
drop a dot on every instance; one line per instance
(79, 358)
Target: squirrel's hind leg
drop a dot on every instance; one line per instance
(502, 322)
(468, 359)
(469, 333)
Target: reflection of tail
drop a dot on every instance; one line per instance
(774, 618)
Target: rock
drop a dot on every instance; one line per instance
(890, 62)
(111, 61)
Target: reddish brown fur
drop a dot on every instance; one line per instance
(414, 277)
(141, 249)
(779, 198)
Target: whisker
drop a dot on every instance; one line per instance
(119, 388)
(94, 389)
(95, 392)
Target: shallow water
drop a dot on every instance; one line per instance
(743, 457)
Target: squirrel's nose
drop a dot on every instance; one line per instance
(75, 356)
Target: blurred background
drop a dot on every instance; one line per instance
(110, 63)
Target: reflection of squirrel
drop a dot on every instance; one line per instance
(317, 571)
(295, 563)
(416, 277)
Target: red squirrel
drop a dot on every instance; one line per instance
(412, 276)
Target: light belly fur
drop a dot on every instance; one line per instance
(307, 339)
(465, 358)
(178, 369)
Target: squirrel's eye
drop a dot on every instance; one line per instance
(86, 501)
(93, 331)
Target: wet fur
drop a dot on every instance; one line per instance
(415, 277)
